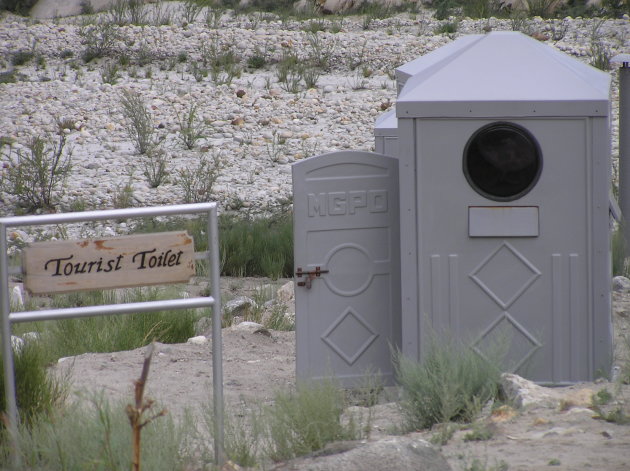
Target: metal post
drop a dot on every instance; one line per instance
(7, 317)
(7, 351)
(217, 347)
(624, 144)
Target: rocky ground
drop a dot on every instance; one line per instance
(251, 122)
(258, 128)
(538, 428)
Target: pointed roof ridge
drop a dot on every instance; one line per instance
(499, 73)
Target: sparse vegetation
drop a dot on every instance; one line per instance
(307, 420)
(38, 394)
(191, 128)
(451, 384)
(257, 247)
(36, 175)
(197, 182)
(139, 122)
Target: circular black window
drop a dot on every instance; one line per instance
(502, 161)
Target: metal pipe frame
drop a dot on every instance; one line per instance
(214, 301)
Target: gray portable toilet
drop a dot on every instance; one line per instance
(504, 158)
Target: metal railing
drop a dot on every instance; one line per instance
(8, 317)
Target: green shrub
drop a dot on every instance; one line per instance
(37, 393)
(191, 128)
(449, 27)
(94, 435)
(615, 8)
(305, 421)
(443, 8)
(257, 247)
(138, 122)
(482, 8)
(197, 182)
(20, 7)
(244, 242)
(99, 40)
(36, 176)
(70, 337)
(619, 260)
(10, 76)
(21, 57)
(256, 61)
(451, 384)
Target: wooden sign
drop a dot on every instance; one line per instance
(117, 262)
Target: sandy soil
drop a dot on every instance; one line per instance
(559, 434)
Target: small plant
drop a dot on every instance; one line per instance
(320, 52)
(221, 61)
(554, 462)
(448, 27)
(276, 147)
(478, 465)
(451, 385)
(542, 8)
(190, 10)
(109, 73)
(213, 18)
(139, 122)
(123, 197)
(21, 57)
(197, 182)
(161, 14)
(99, 40)
(86, 7)
(10, 76)
(243, 433)
(481, 431)
(443, 8)
(279, 320)
(305, 421)
(154, 163)
(358, 81)
(37, 393)
(600, 55)
(310, 75)
(199, 73)
(191, 129)
(602, 397)
(37, 175)
(257, 60)
(314, 26)
(481, 8)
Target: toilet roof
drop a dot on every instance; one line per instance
(501, 74)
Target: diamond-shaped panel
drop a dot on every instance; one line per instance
(349, 336)
(508, 341)
(504, 275)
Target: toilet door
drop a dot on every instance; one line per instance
(347, 265)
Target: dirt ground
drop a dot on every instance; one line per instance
(561, 433)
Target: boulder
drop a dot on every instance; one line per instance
(405, 453)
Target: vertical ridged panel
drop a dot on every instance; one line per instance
(576, 336)
(557, 311)
(453, 270)
(436, 289)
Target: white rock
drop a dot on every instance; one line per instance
(198, 340)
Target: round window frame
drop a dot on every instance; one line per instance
(522, 131)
